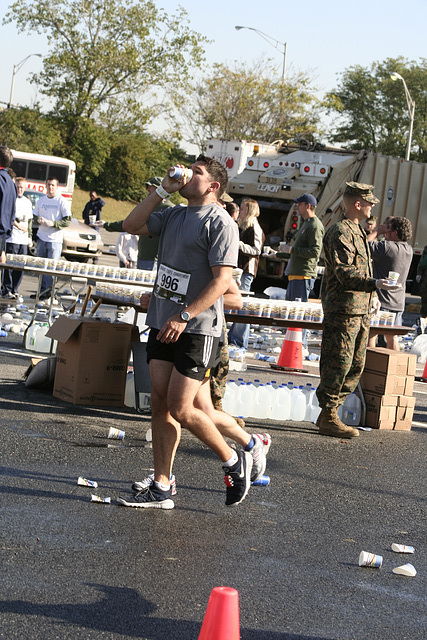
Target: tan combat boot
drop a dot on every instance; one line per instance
(218, 406)
(330, 424)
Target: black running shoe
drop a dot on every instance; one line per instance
(238, 479)
(150, 498)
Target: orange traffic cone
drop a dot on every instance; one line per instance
(291, 353)
(424, 376)
(221, 620)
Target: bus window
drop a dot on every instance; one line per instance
(37, 171)
(60, 172)
(20, 168)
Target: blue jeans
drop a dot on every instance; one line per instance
(11, 278)
(48, 250)
(239, 333)
(300, 289)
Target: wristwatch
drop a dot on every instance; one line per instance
(184, 315)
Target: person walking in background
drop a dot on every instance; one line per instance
(93, 208)
(19, 241)
(127, 250)
(251, 240)
(7, 200)
(392, 254)
(53, 215)
(348, 287)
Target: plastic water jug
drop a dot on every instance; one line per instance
(230, 399)
(297, 405)
(36, 340)
(314, 408)
(246, 400)
(261, 403)
(281, 409)
(351, 410)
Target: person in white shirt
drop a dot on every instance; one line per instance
(52, 214)
(127, 250)
(18, 241)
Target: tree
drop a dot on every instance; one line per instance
(371, 108)
(29, 130)
(107, 56)
(248, 102)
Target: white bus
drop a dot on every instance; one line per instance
(37, 168)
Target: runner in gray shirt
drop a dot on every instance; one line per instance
(197, 252)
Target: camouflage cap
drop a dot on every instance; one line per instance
(365, 191)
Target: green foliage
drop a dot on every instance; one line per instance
(114, 163)
(106, 56)
(244, 102)
(371, 109)
(29, 130)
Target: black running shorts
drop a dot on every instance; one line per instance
(192, 354)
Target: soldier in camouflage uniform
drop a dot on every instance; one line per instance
(347, 291)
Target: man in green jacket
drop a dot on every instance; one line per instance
(304, 254)
(147, 245)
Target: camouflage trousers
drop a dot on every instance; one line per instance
(218, 378)
(342, 357)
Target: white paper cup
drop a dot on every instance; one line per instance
(116, 434)
(393, 277)
(92, 219)
(406, 570)
(367, 559)
(402, 548)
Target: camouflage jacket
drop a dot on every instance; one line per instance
(347, 282)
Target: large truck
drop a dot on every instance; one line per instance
(276, 174)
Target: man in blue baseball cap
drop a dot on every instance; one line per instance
(304, 254)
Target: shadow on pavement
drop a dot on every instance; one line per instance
(124, 611)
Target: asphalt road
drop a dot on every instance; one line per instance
(75, 570)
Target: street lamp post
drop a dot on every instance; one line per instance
(16, 68)
(411, 110)
(274, 43)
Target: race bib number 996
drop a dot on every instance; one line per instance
(171, 284)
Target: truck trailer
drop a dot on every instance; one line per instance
(276, 174)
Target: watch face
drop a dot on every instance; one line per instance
(185, 316)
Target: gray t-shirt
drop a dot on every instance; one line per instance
(192, 241)
(388, 255)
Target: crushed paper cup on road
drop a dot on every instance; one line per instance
(98, 499)
(149, 435)
(84, 482)
(367, 559)
(116, 434)
(406, 570)
(402, 548)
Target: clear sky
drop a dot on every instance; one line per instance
(324, 37)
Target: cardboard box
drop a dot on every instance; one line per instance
(380, 411)
(92, 360)
(390, 362)
(404, 413)
(383, 384)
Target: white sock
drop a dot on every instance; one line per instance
(230, 463)
(162, 487)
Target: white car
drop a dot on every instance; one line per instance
(80, 243)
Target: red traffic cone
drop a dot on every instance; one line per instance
(291, 353)
(221, 620)
(424, 376)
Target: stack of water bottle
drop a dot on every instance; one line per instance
(282, 402)
(271, 401)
